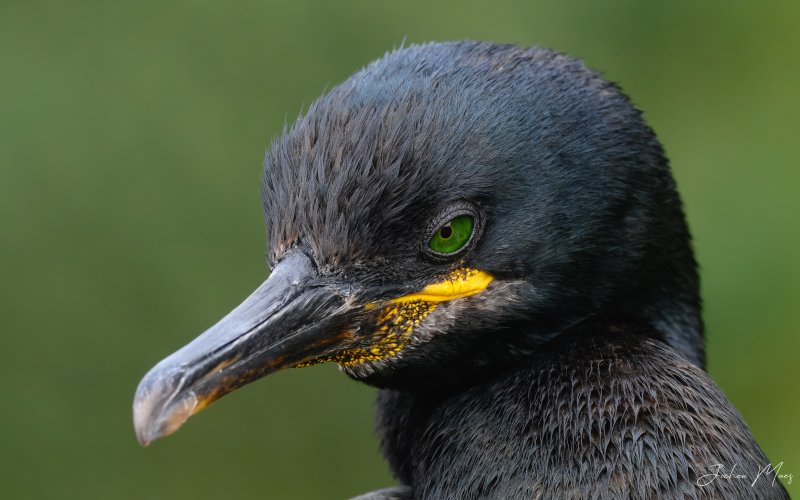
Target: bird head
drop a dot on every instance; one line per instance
(439, 216)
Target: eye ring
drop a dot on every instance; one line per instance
(448, 232)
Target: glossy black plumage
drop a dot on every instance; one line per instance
(616, 407)
(578, 193)
(607, 411)
(576, 372)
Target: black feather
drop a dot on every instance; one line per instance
(579, 372)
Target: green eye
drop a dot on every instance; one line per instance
(452, 236)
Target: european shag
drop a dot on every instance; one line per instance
(490, 235)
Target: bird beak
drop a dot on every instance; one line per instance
(295, 318)
(288, 320)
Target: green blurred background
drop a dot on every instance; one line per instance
(131, 141)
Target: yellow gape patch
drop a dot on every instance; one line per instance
(462, 282)
(400, 316)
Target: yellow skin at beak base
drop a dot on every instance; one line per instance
(460, 283)
(403, 314)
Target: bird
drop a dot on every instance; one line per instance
(490, 235)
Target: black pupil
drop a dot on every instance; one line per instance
(446, 232)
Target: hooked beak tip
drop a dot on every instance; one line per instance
(284, 322)
(157, 414)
